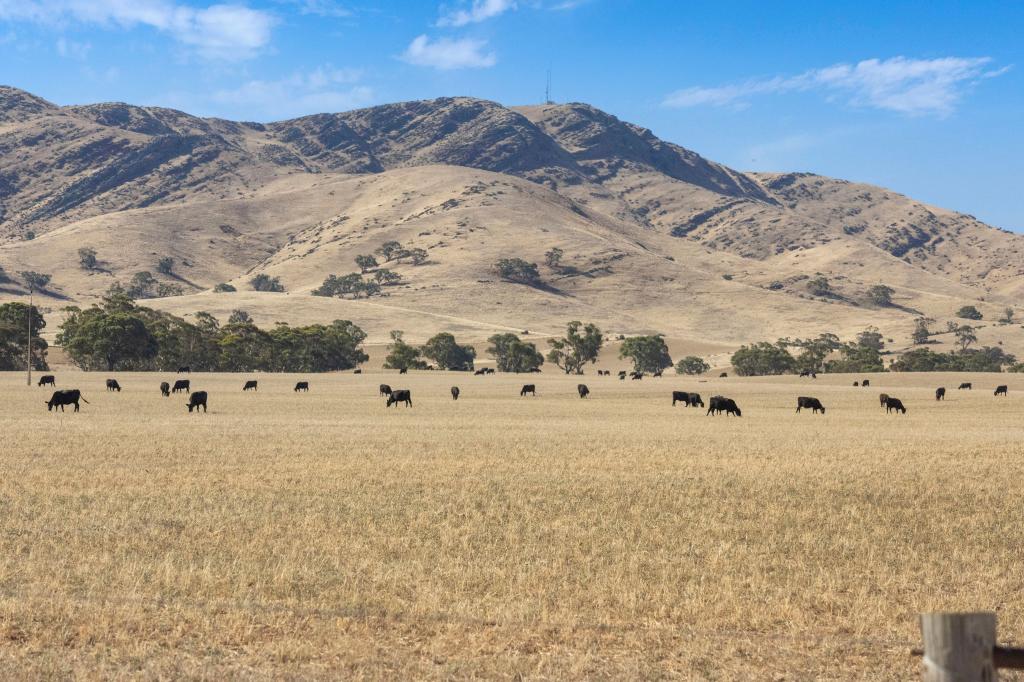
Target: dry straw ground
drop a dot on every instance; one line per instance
(322, 536)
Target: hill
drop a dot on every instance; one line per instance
(655, 237)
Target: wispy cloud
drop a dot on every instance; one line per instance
(447, 54)
(907, 86)
(324, 89)
(320, 8)
(71, 49)
(217, 31)
(479, 10)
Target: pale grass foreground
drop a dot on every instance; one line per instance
(321, 535)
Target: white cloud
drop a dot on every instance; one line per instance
(322, 90)
(320, 8)
(908, 86)
(479, 10)
(219, 31)
(71, 49)
(447, 54)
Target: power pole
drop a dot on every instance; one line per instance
(28, 341)
(547, 90)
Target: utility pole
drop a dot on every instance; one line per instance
(547, 90)
(28, 341)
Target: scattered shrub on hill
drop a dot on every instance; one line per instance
(819, 286)
(1007, 317)
(692, 365)
(144, 285)
(518, 270)
(264, 282)
(881, 295)
(87, 258)
(239, 317)
(37, 281)
(553, 258)
(224, 288)
(969, 312)
(389, 250)
(351, 284)
(921, 332)
(387, 278)
(165, 265)
(365, 263)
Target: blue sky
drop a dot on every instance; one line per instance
(926, 97)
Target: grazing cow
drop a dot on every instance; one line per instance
(112, 385)
(812, 404)
(197, 400)
(723, 375)
(636, 376)
(455, 392)
(622, 375)
(940, 394)
(856, 383)
(866, 382)
(184, 370)
(250, 385)
(657, 374)
(400, 396)
(65, 397)
(358, 371)
(721, 404)
(966, 385)
(47, 380)
(688, 399)
(181, 385)
(165, 389)
(882, 398)
(385, 389)
(490, 370)
(534, 370)
(894, 404)
(528, 388)
(1001, 390)
(582, 390)
(480, 372)
(302, 386)
(404, 370)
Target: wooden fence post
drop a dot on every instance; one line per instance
(958, 647)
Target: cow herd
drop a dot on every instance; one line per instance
(717, 404)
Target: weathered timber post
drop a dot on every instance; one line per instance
(958, 647)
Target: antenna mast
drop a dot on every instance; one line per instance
(547, 90)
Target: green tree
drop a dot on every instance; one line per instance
(448, 354)
(965, 337)
(813, 351)
(110, 339)
(14, 325)
(402, 355)
(389, 250)
(1007, 317)
(264, 282)
(553, 258)
(366, 263)
(969, 312)
(819, 286)
(762, 359)
(580, 345)
(142, 285)
(36, 281)
(519, 271)
(871, 338)
(224, 288)
(239, 317)
(881, 295)
(87, 258)
(648, 353)
(514, 355)
(415, 256)
(856, 358)
(4, 277)
(385, 277)
(692, 365)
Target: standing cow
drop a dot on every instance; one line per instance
(112, 385)
(181, 385)
(400, 396)
(940, 393)
(721, 404)
(65, 397)
(47, 380)
(165, 389)
(1002, 390)
(384, 390)
(455, 392)
(528, 388)
(302, 386)
(812, 404)
(894, 404)
(250, 385)
(965, 386)
(197, 400)
(582, 390)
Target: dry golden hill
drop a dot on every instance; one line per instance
(655, 237)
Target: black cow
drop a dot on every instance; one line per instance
(894, 404)
(181, 385)
(490, 370)
(112, 385)
(250, 385)
(197, 400)
(723, 375)
(302, 386)
(400, 396)
(404, 370)
(184, 370)
(66, 397)
(657, 374)
(866, 382)
(582, 390)
(47, 380)
(636, 376)
(882, 398)
(480, 372)
(622, 375)
(534, 370)
(1002, 390)
(455, 392)
(940, 394)
(358, 371)
(856, 383)
(965, 385)
(165, 389)
(721, 404)
(688, 399)
(528, 388)
(385, 389)
(808, 373)
(812, 404)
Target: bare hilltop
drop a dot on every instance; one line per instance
(652, 236)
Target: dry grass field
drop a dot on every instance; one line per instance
(320, 535)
